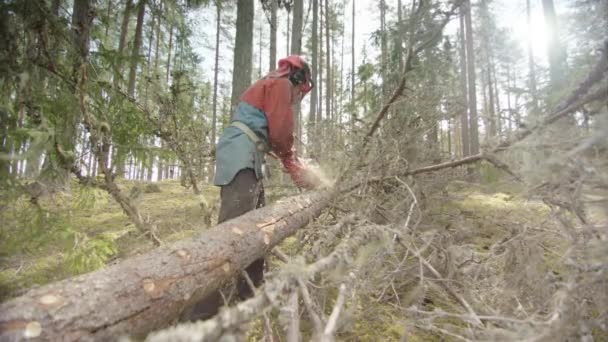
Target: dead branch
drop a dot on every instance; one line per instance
(330, 327)
(412, 52)
(594, 76)
(311, 308)
(293, 329)
(274, 292)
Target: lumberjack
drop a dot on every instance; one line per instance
(262, 123)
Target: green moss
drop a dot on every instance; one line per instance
(41, 271)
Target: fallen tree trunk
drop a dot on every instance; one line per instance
(149, 291)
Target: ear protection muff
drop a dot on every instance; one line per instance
(300, 77)
(297, 76)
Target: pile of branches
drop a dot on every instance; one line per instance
(376, 244)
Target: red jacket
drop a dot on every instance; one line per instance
(273, 96)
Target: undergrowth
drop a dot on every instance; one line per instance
(83, 229)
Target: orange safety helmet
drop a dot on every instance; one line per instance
(298, 72)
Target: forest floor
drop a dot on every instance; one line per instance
(477, 226)
(80, 231)
(84, 230)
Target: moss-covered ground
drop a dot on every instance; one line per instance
(84, 229)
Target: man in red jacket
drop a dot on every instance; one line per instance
(263, 122)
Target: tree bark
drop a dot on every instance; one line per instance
(352, 69)
(296, 49)
(313, 67)
(473, 125)
(491, 112)
(464, 115)
(383, 49)
(296, 27)
(218, 23)
(149, 291)
(55, 4)
(328, 68)
(158, 36)
(320, 64)
(243, 50)
(273, 35)
(137, 42)
(400, 34)
(122, 41)
(169, 53)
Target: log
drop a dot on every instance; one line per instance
(149, 291)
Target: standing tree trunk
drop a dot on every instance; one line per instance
(137, 41)
(55, 7)
(383, 49)
(400, 34)
(122, 41)
(464, 116)
(320, 64)
(218, 13)
(296, 49)
(109, 15)
(149, 54)
(243, 51)
(352, 69)
(273, 35)
(158, 36)
(531, 66)
(555, 50)
(260, 48)
(491, 112)
(314, 62)
(328, 59)
(169, 52)
(497, 102)
(287, 35)
(82, 18)
(509, 107)
(471, 78)
(161, 163)
(296, 27)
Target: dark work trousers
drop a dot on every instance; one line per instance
(244, 193)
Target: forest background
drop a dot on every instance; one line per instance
(110, 110)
